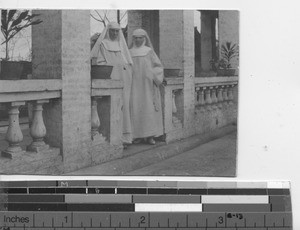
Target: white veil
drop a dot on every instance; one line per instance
(121, 40)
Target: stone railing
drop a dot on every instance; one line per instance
(14, 94)
(107, 97)
(173, 108)
(214, 92)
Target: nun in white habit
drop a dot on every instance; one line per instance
(111, 49)
(145, 102)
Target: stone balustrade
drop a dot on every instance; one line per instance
(14, 94)
(214, 92)
(107, 102)
(14, 134)
(173, 109)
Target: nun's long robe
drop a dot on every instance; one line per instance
(121, 71)
(145, 103)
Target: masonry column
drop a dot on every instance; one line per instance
(189, 72)
(177, 52)
(135, 18)
(206, 40)
(171, 38)
(61, 50)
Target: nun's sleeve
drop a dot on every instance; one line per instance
(157, 69)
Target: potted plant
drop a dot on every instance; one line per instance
(224, 65)
(12, 22)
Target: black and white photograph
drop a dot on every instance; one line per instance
(119, 92)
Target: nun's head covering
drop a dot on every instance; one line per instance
(141, 33)
(145, 47)
(118, 45)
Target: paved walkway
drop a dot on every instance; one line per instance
(215, 158)
(212, 156)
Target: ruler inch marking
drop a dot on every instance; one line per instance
(72, 219)
(187, 221)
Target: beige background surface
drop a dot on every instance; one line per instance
(269, 126)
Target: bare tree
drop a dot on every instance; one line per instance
(104, 16)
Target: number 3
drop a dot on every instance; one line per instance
(221, 220)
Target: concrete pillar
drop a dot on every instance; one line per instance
(176, 28)
(189, 72)
(61, 49)
(171, 38)
(135, 18)
(229, 30)
(206, 40)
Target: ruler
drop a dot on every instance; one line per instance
(177, 205)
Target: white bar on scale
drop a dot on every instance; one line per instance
(234, 199)
(168, 207)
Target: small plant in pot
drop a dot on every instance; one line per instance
(12, 22)
(224, 65)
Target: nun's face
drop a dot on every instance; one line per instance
(113, 34)
(138, 40)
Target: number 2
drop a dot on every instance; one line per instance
(143, 220)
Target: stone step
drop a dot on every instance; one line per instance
(151, 155)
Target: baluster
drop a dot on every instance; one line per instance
(214, 97)
(174, 108)
(197, 95)
(230, 94)
(208, 99)
(225, 96)
(37, 128)
(220, 96)
(95, 121)
(201, 98)
(14, 134)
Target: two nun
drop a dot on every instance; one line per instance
(142, 74)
